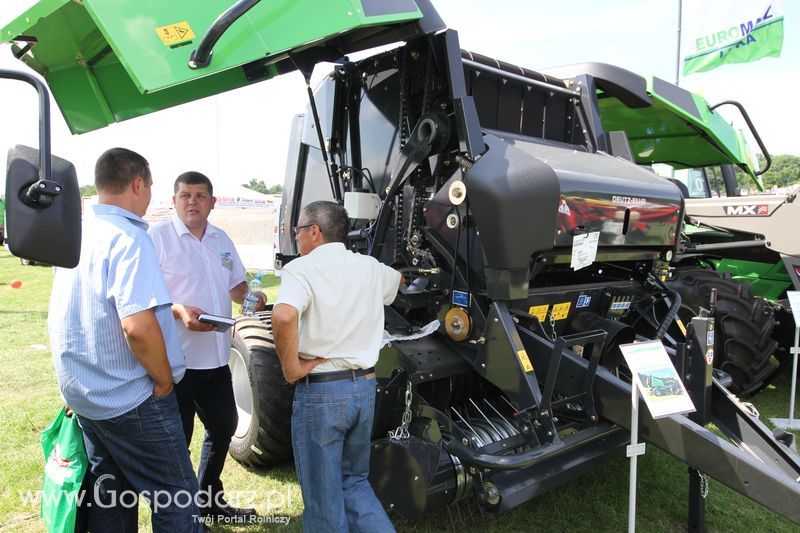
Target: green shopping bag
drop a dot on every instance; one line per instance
(65, 466)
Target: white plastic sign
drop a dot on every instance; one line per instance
(661, 387)
(584, 249)
(794, 302)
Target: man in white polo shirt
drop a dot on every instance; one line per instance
(203, 273)
(328, 324)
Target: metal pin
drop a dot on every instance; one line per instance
(497, 412)
(509, 403)
(484, 416)
(466, 423)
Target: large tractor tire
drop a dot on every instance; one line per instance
(744, 345)
(263, 398)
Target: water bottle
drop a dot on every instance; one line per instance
(251, 300)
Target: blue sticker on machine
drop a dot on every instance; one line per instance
(583, 301)
(461, 298)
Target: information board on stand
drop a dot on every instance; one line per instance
(662, 389)
(656, 379)
(791, 423)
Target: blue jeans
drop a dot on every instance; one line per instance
(141, 451)
(331, 426)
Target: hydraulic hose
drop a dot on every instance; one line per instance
(673, 309)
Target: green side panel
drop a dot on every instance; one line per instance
(21, 24)
(111, 60)
(675, 134)
(706, 232)
(766, 280)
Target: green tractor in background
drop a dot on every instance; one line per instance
(747, 241)
(742, 246)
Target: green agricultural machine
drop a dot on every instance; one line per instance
(534, 244)
(661, 386)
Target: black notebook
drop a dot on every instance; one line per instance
(222, 323)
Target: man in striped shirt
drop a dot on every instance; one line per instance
(117, 357)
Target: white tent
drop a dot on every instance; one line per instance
(228, 195)
(239, 196)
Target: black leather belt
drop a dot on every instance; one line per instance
(338, 376)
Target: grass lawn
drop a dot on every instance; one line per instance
(596, 502)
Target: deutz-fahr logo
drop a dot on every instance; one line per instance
(756, 210)
(628, 200)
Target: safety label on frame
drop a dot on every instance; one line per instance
(560, 311)
(175, 33)
(526, 362)
(539, 312)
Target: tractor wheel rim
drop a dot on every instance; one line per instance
(242, 392)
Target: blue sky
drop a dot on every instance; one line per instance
(243, 134)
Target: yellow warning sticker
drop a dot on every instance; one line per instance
(560, 311)
(523, 358)
(539, 311)
(681, 326)
(175, 33)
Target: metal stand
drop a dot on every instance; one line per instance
(698, 488)
(700, 365)
(635, 449)
(791, 423)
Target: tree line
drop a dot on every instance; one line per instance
(260, 186)
(254, 185)
(784, 171)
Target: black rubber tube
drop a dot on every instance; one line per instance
(201, 57)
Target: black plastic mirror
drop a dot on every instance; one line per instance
(43, 216)
(43, 203)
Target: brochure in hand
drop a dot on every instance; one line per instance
(222, 323)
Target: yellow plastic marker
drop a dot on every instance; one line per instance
(523, 358)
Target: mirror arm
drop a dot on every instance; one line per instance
(41, 193)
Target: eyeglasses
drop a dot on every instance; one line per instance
(297, 228)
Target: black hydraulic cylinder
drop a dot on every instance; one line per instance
(717, 246)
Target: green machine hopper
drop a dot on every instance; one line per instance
(680, 129)
(107, 61)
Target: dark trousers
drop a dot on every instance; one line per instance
(209, 393)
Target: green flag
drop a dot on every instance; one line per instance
(718, 32)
